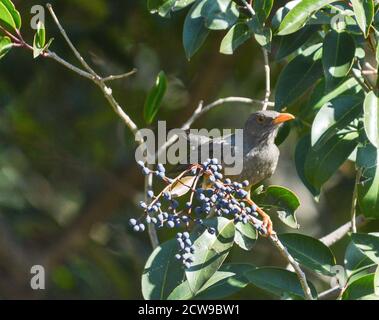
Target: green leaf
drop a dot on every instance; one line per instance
(220, 14)
(162, 272)
(298, 16)
(309, 252)
(290, 43)
(322, 161)
(245, 236)
(368, 244)
(235, 37)
(303, 147)
(298, 76)
(361, 289)
(9, 15)
(263, 8)
(338, 56)
(210, 252)
(5, 45)
(194, 31)
(364, 13)
(335, 116)
(262, 35)
(282, 201)
(276, 281)
(39, 40)
(320, 96)
(155, 97)
(368, 187)
(371, 118)
(228, 280)
(355, 261)
(282, 12)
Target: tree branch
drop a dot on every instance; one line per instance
(287, 256)
(339, 233)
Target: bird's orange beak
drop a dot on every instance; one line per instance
(283, 117)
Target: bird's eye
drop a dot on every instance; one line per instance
(260, 119)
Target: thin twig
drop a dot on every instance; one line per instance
(330, 294)
(339, 233)
(120, 76)
(286, 255)
(359, 80)
(268, 81)
(108, 94)
(354, 201)
(70, 44)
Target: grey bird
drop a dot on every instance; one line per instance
(259, 153)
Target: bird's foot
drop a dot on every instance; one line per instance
(266, 220)
(266, 223)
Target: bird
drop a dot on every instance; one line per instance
(259, 152)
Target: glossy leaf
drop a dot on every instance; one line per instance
(290, 43)
(220, 14)
(368, 244)
(309, 252)
(355, 261)
(194, 31)
(9, 15)
(335, 116)
(5, 45)
(276, 281)
(338, 56)
(320, 96)
(263, 8)
(297, 17)
(235, 37)
(155, 97)
(323, 161)
(210, 252)
(245, 236)
(180, 4)
(282, 201)
(361, 289)
(298, 76)
(262, 35)
(364, 14)
(162, 272)
(303, 147)
(228, 280)
(39, 40)
(368, 188)
(371, 118)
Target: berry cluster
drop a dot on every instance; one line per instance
(222, 197)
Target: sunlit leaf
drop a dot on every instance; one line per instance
(210, 252)
(282, 201)
(155, 97)
(371, 118)
(246, 235)
(298, 16)
(364, 13)
(5, 45)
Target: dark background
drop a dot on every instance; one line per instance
(68, 179)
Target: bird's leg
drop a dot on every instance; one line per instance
(266, 220)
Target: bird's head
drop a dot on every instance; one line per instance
(263, 125)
